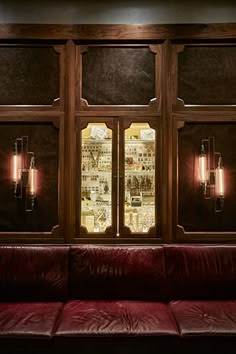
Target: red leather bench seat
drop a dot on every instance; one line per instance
(29, 320)
(118, 299)
(33, 289)
(205, 318)
(116, 318)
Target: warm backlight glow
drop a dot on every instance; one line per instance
(32, 181)
(203, 168)
(220, 181)
(15, 167)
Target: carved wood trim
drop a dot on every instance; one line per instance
(190, 237)
(206, 116)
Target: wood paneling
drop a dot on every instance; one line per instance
(68, 42)
(69, 144)
(118, 32)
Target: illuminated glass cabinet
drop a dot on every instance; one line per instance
(118, 178)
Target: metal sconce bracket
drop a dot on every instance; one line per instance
(211, 173)
(24, 173)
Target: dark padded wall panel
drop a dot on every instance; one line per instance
(194, 212)
(118, 75)
(33, 273)
(29, 75)
(112, 272)
(201, 272)
(207, 75)
(43, 141)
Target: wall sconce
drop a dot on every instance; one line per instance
(24, 173)
(211, 173)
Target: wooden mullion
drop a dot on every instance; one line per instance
(69, 144)
(167, 144)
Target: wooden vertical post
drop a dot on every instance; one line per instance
(69, 143)
(167, 152)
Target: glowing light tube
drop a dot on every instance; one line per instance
(32, 178)
(203, 168)
(15, 168)
(220, 179)
(32, 181)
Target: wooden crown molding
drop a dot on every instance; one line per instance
(118, 32)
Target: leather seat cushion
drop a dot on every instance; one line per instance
(205, 318)
(28, 319)
(116, 318)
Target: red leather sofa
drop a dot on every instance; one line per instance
(118, 299)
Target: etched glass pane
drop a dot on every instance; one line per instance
(96, 171)
(139, 206)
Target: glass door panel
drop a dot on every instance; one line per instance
(96, 178)
(139, 183)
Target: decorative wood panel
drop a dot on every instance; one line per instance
(207, 75)
(29, 75)
(43, 141)
(118, 75)
(195, 213)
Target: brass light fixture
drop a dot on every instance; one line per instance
(211, 172)
(24, 173)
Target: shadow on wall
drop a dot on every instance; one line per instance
(116, 12)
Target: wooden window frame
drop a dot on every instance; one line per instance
(70, 37)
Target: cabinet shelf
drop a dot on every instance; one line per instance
(139, 141)
(93, 141)
(94, 173)
(96, 204)
(142, 172)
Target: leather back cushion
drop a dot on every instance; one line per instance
(117, 272)
(201, 272)
(33, 273)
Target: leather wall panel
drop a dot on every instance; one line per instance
(201, 272)
(33, 273)
(117, 272)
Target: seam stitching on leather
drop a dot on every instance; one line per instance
(174, 319)
(58, 320)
